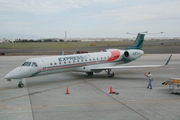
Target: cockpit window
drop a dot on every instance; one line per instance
(26, 64)
(34, 64)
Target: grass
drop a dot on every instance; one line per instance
(56, 45)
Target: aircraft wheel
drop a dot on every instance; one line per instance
(111, 75)
(89, 73)
(20, 85)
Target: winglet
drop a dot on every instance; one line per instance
(168, 60)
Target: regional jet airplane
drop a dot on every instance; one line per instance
(89, 63)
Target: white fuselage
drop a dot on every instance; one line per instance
(76, 62)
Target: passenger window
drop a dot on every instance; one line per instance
(34, 64)
(26, 64)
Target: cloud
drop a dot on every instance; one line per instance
(160, 11)
(18, 27)
(87, 17)
(44, 6)
(37, 6)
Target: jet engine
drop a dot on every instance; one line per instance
(133, 54)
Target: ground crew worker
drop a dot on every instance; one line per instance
(149, 75)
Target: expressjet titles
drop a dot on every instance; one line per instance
(74, 58)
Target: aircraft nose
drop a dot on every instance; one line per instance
(8, 76)
(12, 74)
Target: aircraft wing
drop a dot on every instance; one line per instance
(127, 67)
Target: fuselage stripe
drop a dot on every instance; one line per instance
(51, 68)
(72, 65)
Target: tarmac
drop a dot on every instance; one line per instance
(44, 98)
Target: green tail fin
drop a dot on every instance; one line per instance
(138, 44)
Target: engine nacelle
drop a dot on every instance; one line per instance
(133, 54)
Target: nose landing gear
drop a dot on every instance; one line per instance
(20, 85)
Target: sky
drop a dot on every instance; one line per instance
(89, 18)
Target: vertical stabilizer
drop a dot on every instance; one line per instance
(138, 44)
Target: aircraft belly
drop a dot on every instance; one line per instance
(54, 71)
(83, 69)
(90, 67)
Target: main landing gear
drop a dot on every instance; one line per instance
(110, 73)
(89, 73)
(20, 85)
